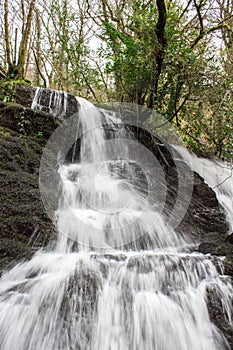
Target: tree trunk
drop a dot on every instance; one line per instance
(158, 51)
(24, 42)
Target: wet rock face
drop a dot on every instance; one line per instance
(217, 317)
(27, 122)
(204, 216)
(230, 239)
(24, 95)
(24, 133)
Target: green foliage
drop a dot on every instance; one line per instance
(22, 123)
(129, 51)
(4, 131)
(194, 91)
(193, 88)
(207, 122)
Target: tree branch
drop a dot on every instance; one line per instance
(38, 68)
(25, 39)
(201, 35)
(159, 53)
(175, 114)
(7, 34)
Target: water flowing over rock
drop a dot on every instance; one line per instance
(57, 103)
(118, 276)
(219, 176)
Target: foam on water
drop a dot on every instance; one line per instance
(218, 175)
(101, 288)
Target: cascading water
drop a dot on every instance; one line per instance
(56, 104)
(96, 290)
(218, 175)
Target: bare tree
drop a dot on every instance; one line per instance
(17, 53)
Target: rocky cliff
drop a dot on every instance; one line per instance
(25, 226)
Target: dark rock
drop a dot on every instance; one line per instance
(24, 133)
(217, 316)
(204, 217)
(212, 248)
(24, 95)
(22, 211)
(202, 190)
(217, 244)
(230, 238)
(116, 257)
(25, 121)
(228, 266)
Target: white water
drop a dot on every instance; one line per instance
(218, 175)
(56, 105)
(111, 297)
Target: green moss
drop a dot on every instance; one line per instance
(7, 88)
(4, 131)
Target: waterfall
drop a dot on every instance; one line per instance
(218, 175)
(119, 278)
(54, 103)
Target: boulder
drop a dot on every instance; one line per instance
(47, 100)
(25, 225)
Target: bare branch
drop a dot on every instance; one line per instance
(7, 34)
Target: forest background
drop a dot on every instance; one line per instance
(175, 57)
